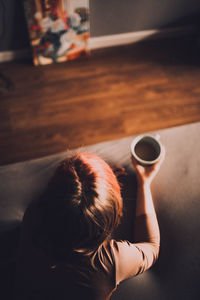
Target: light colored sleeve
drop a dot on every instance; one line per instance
(132, 259)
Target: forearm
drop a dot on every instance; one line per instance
(144, 204)
(146, 225)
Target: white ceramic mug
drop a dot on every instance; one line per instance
(146, 149)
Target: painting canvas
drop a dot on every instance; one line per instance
(58, 29)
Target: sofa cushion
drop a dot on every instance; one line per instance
(176, 192)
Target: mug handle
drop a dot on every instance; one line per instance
(157, 136)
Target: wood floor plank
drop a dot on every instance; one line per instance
(114, 93)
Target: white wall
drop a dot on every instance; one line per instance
(117, 16)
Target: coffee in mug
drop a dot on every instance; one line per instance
(146, 149)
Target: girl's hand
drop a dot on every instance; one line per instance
(145, 175)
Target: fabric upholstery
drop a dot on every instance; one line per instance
(176, 192)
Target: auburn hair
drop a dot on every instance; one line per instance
(80, 208)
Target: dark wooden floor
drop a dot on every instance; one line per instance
(113, 93)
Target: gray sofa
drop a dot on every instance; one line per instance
(176, 192)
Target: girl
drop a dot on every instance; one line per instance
(66, 249)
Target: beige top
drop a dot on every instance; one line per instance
(95, 277)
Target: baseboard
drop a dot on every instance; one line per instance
(119, 39)
(110, 40)
(14, 55)
(133, 37)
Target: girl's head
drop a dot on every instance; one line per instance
(81, 206)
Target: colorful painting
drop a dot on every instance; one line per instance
(58, 29)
